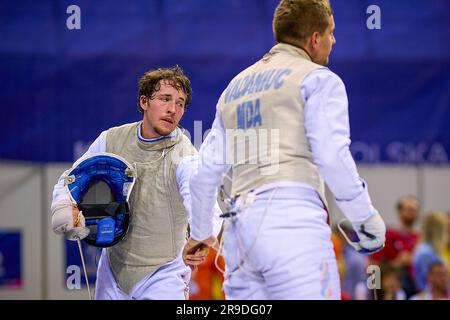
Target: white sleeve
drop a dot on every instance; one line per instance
(206, 179)
(328, 131)
(60, 196)
(186, 167)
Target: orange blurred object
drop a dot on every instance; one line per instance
(206, 281)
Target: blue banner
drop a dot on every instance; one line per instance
(10, 259)
(63, 81)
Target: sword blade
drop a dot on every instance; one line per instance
(84, 268)
(375, 295)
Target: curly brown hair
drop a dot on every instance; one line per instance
(150, 83)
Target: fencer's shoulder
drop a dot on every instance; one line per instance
(323, 75)
(183, 153)
(184, 139)
(124, 129)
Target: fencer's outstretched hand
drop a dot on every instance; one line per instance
(371, 232)
(195, 252)
(66, 217)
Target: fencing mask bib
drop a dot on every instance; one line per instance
(100, 185)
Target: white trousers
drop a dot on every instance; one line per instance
(169, 282)
(280, 248)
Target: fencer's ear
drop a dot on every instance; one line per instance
(315, 39)
(143, 102)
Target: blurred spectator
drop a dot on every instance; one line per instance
(431, 249)
(446, 254)
(351, 265)
(391, 288)
(401, 241)
(437, 287)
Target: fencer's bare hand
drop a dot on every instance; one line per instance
(195, 252)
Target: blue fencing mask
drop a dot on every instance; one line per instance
(100, 185)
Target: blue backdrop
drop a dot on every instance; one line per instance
(11, 257)
(60, 88)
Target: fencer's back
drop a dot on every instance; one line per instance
(262, 112)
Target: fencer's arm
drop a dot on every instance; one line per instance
(328, 131)
(206, 179)
(61, 215)
(187, 166)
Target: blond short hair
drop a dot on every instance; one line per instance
(296, 20)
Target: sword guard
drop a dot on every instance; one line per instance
(78, 233)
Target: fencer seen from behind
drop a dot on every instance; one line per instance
(282, 127)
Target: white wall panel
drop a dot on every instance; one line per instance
(436, 188)
(56, 254)
(25, 197)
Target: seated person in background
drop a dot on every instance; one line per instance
(430, 250)
(390, 283)
(446, 254)
(401, 241)
(437, 287)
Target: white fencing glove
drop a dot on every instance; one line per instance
(371, 233)
(65, 217)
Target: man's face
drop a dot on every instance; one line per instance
(390, 282)
(324, 43)
(164, 110)
(409, 211)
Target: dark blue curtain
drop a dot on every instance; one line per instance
(60, 88)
